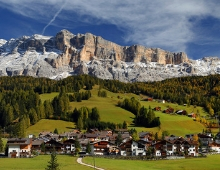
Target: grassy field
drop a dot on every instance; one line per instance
(209, 163)
(175, 124)
(69, 162)
(40, 162)
(50, 125)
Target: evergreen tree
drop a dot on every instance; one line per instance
(118, 139)
(124, 126)
(55, 131)
(94, 115)
(77, 145)
(88, 148)
(156, 136)
(1, 144)
(80, 123)
(52, 164)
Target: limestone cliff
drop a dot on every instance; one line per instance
(91, 45)
(68, 54)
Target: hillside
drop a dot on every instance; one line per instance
(25, 101)
(175, 124)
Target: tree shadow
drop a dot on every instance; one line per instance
(70, 127)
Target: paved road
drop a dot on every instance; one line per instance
(79, 160)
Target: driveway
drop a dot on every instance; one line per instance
(79, 160)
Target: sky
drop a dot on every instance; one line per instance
(190, 26)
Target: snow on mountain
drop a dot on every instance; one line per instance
(67, 54)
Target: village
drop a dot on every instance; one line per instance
(107, 143)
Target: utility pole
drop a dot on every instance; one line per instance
(94, 160)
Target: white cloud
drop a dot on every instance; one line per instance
(159, 23)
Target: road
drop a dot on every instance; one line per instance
(79, 160)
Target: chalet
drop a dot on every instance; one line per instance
(138, 148)
(176, 146)
(149, 99)
(48, 135)
(19, 147)
(145, 136)
(160, 148)
(36, 145)
(83, 143)
(192, 115)
(214, 147)
(70, 135)
(102, 147)
(125, 148)
(181, 112)
(49, 145)
(157, 108)
(205, 139)
(161, 101)
(217, 138)
(168, 110)
(191, 148)
(69, 146)
(91, 136)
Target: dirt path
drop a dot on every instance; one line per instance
(79, 160)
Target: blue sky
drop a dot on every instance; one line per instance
(191, 26)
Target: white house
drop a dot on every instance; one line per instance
(214, 147)
(137, 149)
(19, 147)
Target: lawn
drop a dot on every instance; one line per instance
(48, 96)
(69, 162)
(40, 162)
(209, 163)
(50, 125)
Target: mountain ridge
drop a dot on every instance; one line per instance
(67, 54)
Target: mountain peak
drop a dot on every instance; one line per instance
(46, 56)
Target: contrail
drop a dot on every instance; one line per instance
(54, 17)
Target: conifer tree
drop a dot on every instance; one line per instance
(52, 164)
(80, 123)
(1, 145)
(88, 148)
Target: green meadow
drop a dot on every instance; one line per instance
(209, 163)
(109, 111)
(40, 162)
(50, 125)
(68, 162)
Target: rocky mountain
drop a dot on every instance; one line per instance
(67, 54)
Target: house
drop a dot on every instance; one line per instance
(19, 147)
(149, 99)
(161, 101)
(215, 147)
(181, 112)
(145, 136)
(69, 146)
(36, 145)
(102, 147)
(205, 139)
(91, 136)
(125, 148)
(49, 145)
(160, 148)
(157, 108)
(217, 138)
(191, 147)
(168, 110)
(138, 148)
(177, 146)
(83, 143)
(192, 115)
